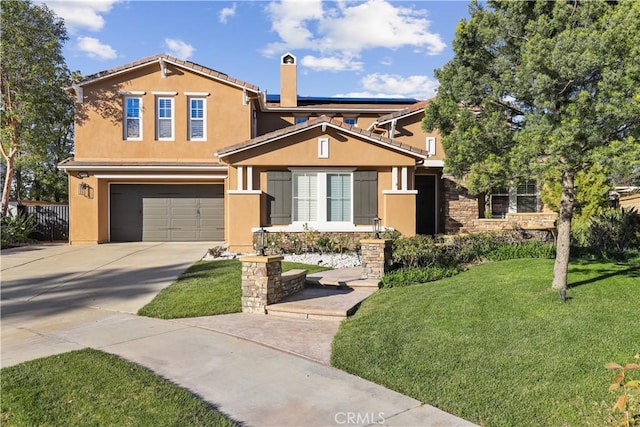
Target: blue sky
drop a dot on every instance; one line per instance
(344, 48)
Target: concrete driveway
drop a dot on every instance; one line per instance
(60, 298)
(46, 288)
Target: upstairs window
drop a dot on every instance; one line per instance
(164, 119)
(351, 121)
(197, 115)
(300, 120)
(133, 118)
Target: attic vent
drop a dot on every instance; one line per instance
(288, 59)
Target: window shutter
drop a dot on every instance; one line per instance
(365, 195)
(278, 197)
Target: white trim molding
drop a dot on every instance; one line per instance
(399, 191)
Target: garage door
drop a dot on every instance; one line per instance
(164, 212)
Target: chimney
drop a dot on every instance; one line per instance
(288, 81)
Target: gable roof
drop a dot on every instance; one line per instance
(323, 121)
(416, 108)
(164, 58)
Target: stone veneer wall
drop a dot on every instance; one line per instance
(292, 281)
(260, 276)
(263, 282)
(524, 221)
(376, 257)
(459, 208)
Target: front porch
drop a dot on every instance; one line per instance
(329, 295)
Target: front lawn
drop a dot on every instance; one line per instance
(207, 288)
(495, 345)
(89, 387)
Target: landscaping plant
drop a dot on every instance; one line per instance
(628, 390)
(15, 229)
(614, 232)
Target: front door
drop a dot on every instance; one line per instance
(426, 214)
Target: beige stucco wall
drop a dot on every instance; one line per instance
(302, 150)
(84, 212)
(246, 211)
(99, 118)
(409, 131)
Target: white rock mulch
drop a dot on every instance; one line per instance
(327, 260)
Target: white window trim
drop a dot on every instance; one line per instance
(323, 148)
(204, 117)
(512, 195)
(431, 145)
(126, 117)
(160, 96)
(321, 186)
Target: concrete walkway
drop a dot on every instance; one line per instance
(60, 298)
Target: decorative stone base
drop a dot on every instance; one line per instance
(263, 282)
(376, 257)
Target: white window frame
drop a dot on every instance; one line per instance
(323, 148)
(191, 119)
(172, 118)
(321, 198)
(512, 194)
(431, 145)
(125, 132)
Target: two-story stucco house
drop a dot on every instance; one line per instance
(169, 150)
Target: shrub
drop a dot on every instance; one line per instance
(412, 276)
(15, 229)
(419, 251)
(614, 232)
(531, 249)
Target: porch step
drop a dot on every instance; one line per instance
(320, 303)
(349, 278)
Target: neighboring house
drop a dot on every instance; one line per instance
(167, 149)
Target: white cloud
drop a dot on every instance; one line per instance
(394, 86)
(331, 63)
(226, 13)
(386, 61)
(95, 49)
(289, 19)
(349, 28)
(179, 48)
(81, 15)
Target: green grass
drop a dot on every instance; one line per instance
(495, 345)
(89, 387)
(207, 288)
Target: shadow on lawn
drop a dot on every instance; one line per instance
(603, 273)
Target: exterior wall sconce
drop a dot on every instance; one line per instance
(84, 189)
(261, 244)
(83, 174)
(376, 227)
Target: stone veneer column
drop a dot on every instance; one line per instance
(376, 257)
(261, 277)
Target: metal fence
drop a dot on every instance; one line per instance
(52, 221)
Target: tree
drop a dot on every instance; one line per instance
(541, 90)
(35, 109)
